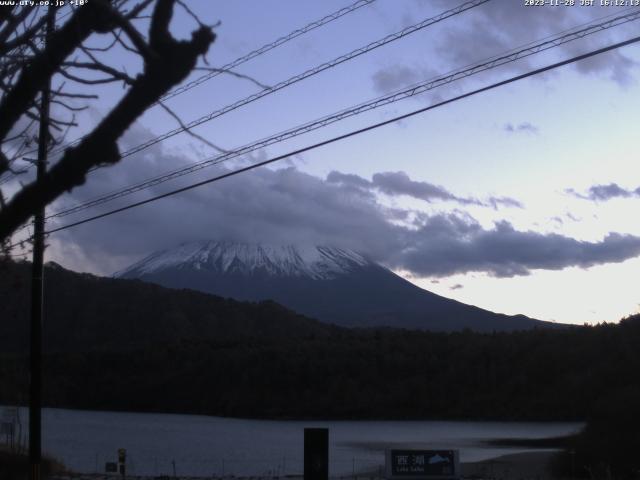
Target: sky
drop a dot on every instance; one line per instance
(522, 199)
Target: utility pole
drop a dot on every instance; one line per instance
(35, 353)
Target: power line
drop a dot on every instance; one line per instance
(352, 133)
(269, 46)
(304, 75)
(309, 73)
(407, 92)
(238, 61)
(37, 286)
(39, 43)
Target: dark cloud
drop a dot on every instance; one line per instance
(519, 25)
(602, 193)
(457, 286)
(445, 246)
(396, 76)
(524, 127)
(399, 183)
(290, 206)
(618, 65)
(349, 179)
(476, 37)
(496, 202)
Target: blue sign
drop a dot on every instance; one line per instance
(422, 464)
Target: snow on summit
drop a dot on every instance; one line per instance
(330, 284)
(316, 262)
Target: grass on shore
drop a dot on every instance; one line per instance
(15, 466)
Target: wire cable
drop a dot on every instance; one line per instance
(309, 73)
(269, 46)
(240, 60)
(407, 92)
(301, 76)
(352, 133)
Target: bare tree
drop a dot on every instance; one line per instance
(27, 63)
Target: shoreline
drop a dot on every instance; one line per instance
(530, 464)
(556, 443)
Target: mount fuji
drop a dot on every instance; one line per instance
(330, 284)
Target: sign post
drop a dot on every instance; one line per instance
(7, 429)
(316, 454)
(122, 460)
(408, 464)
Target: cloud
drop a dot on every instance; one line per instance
(394, 77)
(397, 76)
(618, 65)
(457, 286)
(288, 206)
(444, 246)
(350, 180)
(524, 127)
(496, 202)
(520, 26)
(602, 193)
(399, 183)
(474, 38)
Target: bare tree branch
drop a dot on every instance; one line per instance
(135, 11)
(169, 63)
(75, 95)
(69, 107)
(235, 74)
(134, 35)
(115, 74)
(87, 81)
(22, 38)
(94, 16)
(190, 12)
(12, 24)
(190, 131)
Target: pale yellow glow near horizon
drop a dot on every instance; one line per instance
(605, 293)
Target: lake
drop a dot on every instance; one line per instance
(201, 445)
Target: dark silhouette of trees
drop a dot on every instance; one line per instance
(117, 344)
(67, 56)
(216, 356)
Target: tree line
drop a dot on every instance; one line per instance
(262, 361)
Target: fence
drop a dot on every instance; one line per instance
(253, 468)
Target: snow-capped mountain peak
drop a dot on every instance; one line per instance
(330, 284)
(316, 262)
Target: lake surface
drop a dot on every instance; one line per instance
(201, 445)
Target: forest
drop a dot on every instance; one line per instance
(292, 367)
(536, 375)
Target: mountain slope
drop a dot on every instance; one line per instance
(85, 312)
(333, 285)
